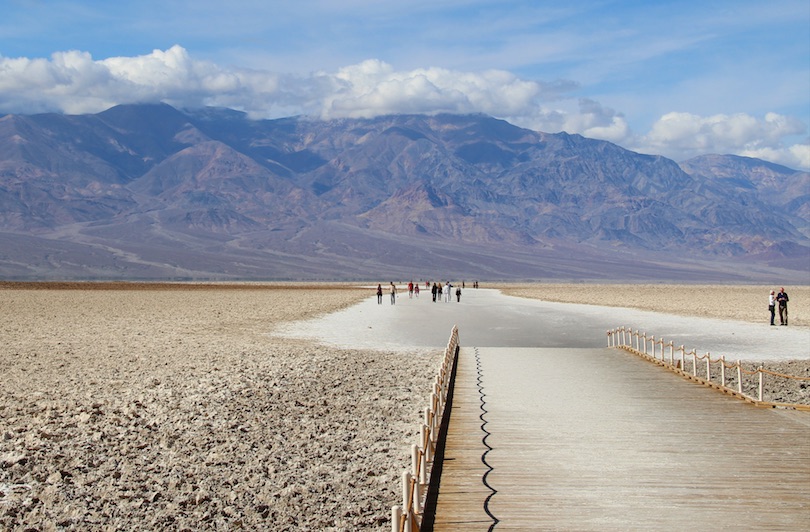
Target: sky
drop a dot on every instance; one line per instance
(673, 78)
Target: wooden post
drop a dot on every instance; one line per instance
(396, 518)
(423, 468)
(417, 498)
(608, 339)
(761, 375)
(424, 437)
(694, 362)
(708, 367)
(652, 340)
(723, 370)
(406, 496)
(683, 362)
(739, 377)
(671, 353)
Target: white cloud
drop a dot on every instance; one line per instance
(684, 135)
(373, 88)
(74, 82)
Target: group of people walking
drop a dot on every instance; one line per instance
(392, 289)
(779, 301)
(437, 291)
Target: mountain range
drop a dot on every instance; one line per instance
(154, 192)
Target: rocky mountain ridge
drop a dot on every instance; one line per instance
(149, 191)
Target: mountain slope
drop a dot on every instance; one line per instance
(151, 191)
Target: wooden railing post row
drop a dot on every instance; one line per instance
(723, 379)
(406, 518)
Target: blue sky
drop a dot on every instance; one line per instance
(678, 78)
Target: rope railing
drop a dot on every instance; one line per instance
(702, 367)
(407, 517)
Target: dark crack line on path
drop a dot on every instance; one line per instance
(484, 441)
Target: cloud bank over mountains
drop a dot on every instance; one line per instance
(74, 82)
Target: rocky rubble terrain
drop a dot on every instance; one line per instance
(148, 410)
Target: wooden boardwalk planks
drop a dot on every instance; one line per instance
(598, 439)
(460, 505)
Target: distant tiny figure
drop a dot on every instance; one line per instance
(393, 293)
(379, 294)
(439, 291)
(772, 306)
(434, 290)
(410, 290)
(782, 298)
(448, 292)
(458, 294)
(416, 290)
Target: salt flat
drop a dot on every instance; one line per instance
(488, 318)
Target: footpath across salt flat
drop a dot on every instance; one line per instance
(487, 318)
(581, 436)
(597, 439)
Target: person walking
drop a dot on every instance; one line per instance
(416, 290)
(393, 293)
(458, 294)
(782, 299)
(448, 292)
(772, 306)
(410, 290)
(434, 290)
(379, 294)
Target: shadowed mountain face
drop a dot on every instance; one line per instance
(148, 191)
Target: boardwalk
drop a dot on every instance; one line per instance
(598, 439)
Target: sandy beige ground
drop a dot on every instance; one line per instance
(146, 408)
(738, 302)
(152, 409)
